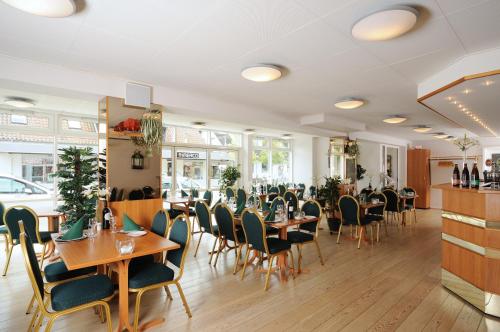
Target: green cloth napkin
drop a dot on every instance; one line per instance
(240, 208)
(194, 193)
(184, 194)
(271, 215)
(75, 232)
(129, 225)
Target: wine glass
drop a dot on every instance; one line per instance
(92, 230)
(112, 223)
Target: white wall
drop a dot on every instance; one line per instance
(439, 175)
(320, 159)
(303, 156)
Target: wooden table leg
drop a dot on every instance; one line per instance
(123, 320)
(282, 259)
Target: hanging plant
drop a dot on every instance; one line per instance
(352, 148)
(152, 132)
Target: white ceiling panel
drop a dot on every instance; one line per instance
(451, 6)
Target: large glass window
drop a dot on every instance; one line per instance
(219, 161)
(191, 168)
(167, 166)
(272, 159)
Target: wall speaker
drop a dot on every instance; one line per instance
(137, 95)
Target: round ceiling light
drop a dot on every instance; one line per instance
(198, 124)
(385, 24)
(349, 103)
(48, 8)
(422, 129)
(261, 73)
(249, 131)
(19, 102)
(395, 119)
(441, 135)
(286, 136)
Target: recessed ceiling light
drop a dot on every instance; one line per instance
(395, 119)
(261, 73)
(286, 136)
(198, 125)
(422, 129)
(48, 8)
(385, 24)
(450, 138)
(441, 135)
(455, 102)
(488, 82)
(349, 103)
(467, 91)
(19, 102)
(249, 131)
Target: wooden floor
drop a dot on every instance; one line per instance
(392, 286)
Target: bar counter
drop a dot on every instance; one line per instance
(471, 245)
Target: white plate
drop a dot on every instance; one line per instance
(137, 233)
(309, 217)
(58, 239)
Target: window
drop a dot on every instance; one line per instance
(225, 139)
(11, 186)
(38, 168)
(191, 136)
(18, 119)
(38, 120)
(272, 159)
(191, 168)
(219, 161)
(72, 124)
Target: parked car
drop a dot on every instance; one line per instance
(16, 191)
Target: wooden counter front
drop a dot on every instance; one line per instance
(471, 245)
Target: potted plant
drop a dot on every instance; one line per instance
(77, 177)
(228, 177)
(152, 132)
(329, 194)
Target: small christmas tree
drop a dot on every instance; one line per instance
(77, 173)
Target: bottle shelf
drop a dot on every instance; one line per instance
(124, 134)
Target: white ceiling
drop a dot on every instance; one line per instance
(202, 45)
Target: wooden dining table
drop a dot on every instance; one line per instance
(101, 250)
(53, 220)
(180, 203)
(283, 226)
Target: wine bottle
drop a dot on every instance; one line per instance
(474, 179)
(290, 209)
(456, 177)
(106, 216)
(465, 177)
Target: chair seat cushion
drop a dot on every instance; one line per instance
(58, 272)
(299, 237)
(139, 262)
(365, 221)
(374, 217)
(215, 228)
(276, 245)
(150, 274)
(81, 291)
(45, 237)
(270, 230)
(3, 229)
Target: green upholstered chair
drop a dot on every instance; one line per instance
(208, 196)
(66, 297)
(281, 189)
(377, 214)
(228, 232)
(3, 228)
(312, 191)
(204, 217)
(273, 189)
(410, 203)
(241, 197)
(31, 224)
(278, 201)
(256, 239)
(349, 215)
(307, 232)
(158, 275)
(393, 206)
(255, 199)
(290, 196)
(229, 193)
(300, 191)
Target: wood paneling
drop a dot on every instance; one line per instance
(492, 238)
(140, 211)
(418, 176)
(464, 263)
(492, 275)
(463, 201)
(465, 232)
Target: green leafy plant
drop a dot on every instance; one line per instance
(360, 172)
(352, 148)
(77, 175)
(330, 192)
(152, 132)
(229, 177)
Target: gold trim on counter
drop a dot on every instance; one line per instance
(464, 244)
(465, 290)
(470, 220)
